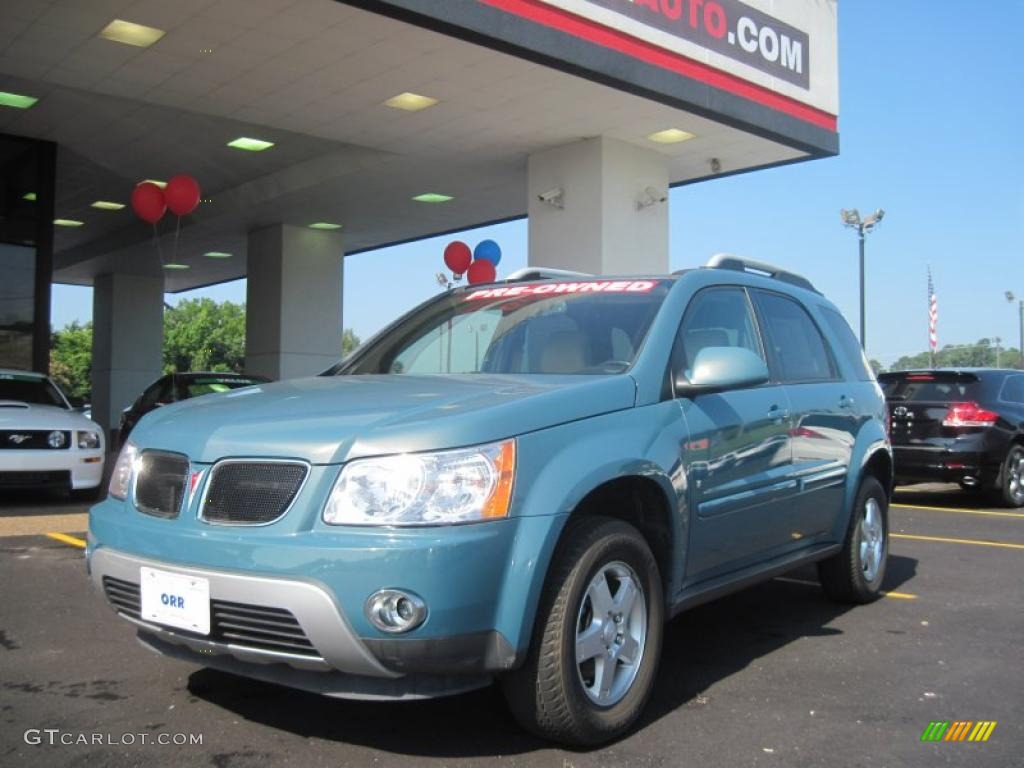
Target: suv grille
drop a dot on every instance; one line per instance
(241, 624)
(160, 485)
(251, 492)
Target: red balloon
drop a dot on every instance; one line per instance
(148, 202)
(481, 271)
(457, 257)
(182, 194)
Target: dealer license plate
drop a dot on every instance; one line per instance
(175, 600)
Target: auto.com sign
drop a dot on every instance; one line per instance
(728, 27)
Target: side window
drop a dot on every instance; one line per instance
(1013, 390)
(794, 341)
(716, 317)
(849, 347)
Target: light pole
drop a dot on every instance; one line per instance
(863, 226)
(1020, 308)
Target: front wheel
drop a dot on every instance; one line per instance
(595, 650)
(1011, 484)
(855, 574)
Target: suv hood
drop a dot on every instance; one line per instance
(330, 419)
(15, 414)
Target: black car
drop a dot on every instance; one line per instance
(959, 425)
(181, 386)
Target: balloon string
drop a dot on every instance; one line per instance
(177, 234)
(156, 243)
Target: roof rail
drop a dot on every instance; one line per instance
(740, 264)
(543, 273)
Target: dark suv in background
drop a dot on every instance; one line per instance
(959, 425)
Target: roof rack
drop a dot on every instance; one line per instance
(543, 273)
(738, 263)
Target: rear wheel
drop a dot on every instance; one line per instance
(1011, 479)
(591, 666)
(855, 574)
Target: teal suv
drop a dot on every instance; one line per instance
(518, 482)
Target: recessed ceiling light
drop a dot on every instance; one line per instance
(68, 222)
(250, 145)
(172, 265)
(160, 184)
(30, 196)
(671, 136)
(106, 205)
(130, 33)
(410, 102)
(16, 100)
(432, 197)
(325, 225)
(217, 254)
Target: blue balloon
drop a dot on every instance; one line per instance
(488, 250)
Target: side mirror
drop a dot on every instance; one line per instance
(721, 368)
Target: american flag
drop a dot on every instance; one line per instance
(933, 314)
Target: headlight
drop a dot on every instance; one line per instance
(88, 440)
(121, 477)
(462, 486)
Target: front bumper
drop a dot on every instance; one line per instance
(84, 468)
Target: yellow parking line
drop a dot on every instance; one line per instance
(957, 510)
(945, 540)
(74, 541)
(809, 583)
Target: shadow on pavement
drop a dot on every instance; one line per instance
(947, 495)
(702, 647)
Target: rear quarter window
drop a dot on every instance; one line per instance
(849, 348)
(1013, 390)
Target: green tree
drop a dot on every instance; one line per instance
(349, 342)
(203, 335)
(876, 366)
(71, 359)
(981, 354)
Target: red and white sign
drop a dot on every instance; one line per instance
(554, 289)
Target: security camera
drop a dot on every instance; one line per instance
(553, 197)
(659, 196)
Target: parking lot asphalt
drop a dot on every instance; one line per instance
(774, 676)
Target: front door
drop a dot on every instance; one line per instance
(738, 454)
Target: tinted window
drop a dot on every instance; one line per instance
(588, 327)
(930, 387)
(793, 340)
(1013, 390)
(29, 389)
(160, 392)
(716, 317)
(849, 347)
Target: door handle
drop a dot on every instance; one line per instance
(847, 402)
(775, 413)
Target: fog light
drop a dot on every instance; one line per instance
(394, 611)
(56, 439)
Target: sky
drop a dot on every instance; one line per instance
(931, 105)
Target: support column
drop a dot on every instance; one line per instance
(293, 301)
(127, 342)
(595, 224)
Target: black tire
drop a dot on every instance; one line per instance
(547, 694)
(1011, 478)
(89, 495)
(846, 577)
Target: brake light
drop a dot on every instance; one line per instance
(969, 415)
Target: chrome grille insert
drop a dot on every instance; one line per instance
(251, 492)
(160, 483)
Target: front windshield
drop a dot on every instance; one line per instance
(29, 389)
(591, 327)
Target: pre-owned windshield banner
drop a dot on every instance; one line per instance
(728, 27)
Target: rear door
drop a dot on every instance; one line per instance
(825, 412)
(738, 453)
